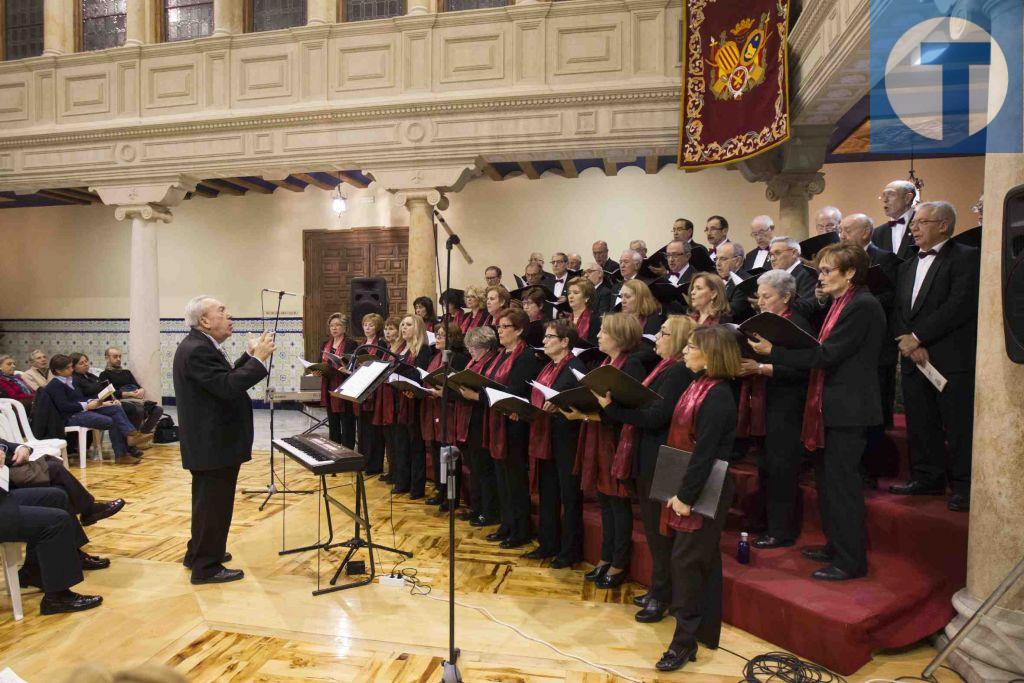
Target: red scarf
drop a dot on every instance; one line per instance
(711, 320)
(430, 408)
(596, 449)
(813, 434)
(622, 464)
(370, 403)
(540, 428)
(583, 323)
(683, 435)
(498, 424)
(384, 412)
(464, 409)
(753, 408)
(331, 381)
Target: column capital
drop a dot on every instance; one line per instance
(147, 212)
(431, 196)
(166, 193)
(425, 178)
(795, 185)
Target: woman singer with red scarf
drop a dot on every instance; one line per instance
(341, 414)
(842, 402)
(433, 430)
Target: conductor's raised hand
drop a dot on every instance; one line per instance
(263, 347)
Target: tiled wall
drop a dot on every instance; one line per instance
(93, 336)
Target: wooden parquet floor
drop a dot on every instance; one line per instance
(270, 628)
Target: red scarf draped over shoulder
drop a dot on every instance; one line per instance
(370, 403)
(683, 435)
(464, 409)
(332, 381)
(384, 412)
(472, 320)
(583, 324)
(622, 463)
(711, 320)
(540, 428)
(753, 407)
(498, 424)
(595, 451)
(813, 434)
(430, 409)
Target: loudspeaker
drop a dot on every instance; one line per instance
(368, 295)
(1013, 273)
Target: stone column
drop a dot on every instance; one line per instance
(135, 20)
(418, 7)
(421, 273)
(58, 27)
(793, 192)
(227, 17)
(320, 12)
(993, 651)
(144, 309)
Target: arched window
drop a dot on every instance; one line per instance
(23, 28)
(187, 19)
(360, 10)
(103, 24)
(456, 5)
(270, 15)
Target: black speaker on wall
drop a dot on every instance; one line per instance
(368, 295)
(1013, 273)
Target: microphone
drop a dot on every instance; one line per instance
(371, 347)
(280, 292)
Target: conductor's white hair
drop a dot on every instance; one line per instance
(195, 309)
(789, 242)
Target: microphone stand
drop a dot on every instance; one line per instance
(271, 488)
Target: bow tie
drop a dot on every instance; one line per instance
(676, 274)
(900, 221)
(923, 254)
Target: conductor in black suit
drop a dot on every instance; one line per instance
(898, 204)
(936, 321)
(215, 426)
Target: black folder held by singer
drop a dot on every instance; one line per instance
(510, 404)
(779, 331)
(668, 477)
(625, 390)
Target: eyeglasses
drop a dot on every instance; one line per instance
(505, 326)
(551, 336)
(922, 221)
(664, 333)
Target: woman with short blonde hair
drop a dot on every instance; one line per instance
(476, 301)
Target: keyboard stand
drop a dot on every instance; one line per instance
(361, 519)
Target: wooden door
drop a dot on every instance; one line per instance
(333, 257)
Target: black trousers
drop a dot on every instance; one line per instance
(513, 479)
(397, 437)
(781, 458)
(483, 483)
(561, 507)
(887, 389)
(841, 497)
(79, 498)
(213, 503)
(52, 535)
(940, 426)
(371, 443)
(341, 428)
(697, 579)
(616, 529)
(659, 544)
(417, 458)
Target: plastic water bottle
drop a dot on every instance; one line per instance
(743, 549)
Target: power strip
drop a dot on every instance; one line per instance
(395, 581)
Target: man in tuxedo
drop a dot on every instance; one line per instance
(936, 322)
(575, 263)
(898, 199)
(729, 266)
(534, 275)
(560, 275)
(640, 247)
(492, 276)
(827, 219)
(600, 251)
(546, 278)
(716, 229)
(784, 253)
(678, 254)
(762, 229)
(215, 426)
(604, 295)
(629, 267)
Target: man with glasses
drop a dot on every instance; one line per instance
(729, 266)
(603, 292)
(492, 276)
(640, 247)
(935, 320)
(717, 231)
(610, 266)
(784, 254)
(682, 231)
(762, 229)
(827, 219)
(546, 278)
(560, 274)
(897, 199)
(679, 270)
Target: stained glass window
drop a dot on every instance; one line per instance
(456, 5)
(268, 15)
(187, 19)
(103, 24)
(23, 28)
(359, 10)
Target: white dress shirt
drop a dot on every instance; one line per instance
(923, 266)
(675, 279)
(761, 258)
(900, 229)
(560, 285)
(736, 279)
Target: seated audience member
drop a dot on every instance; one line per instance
(729, 266)
(12, 385)
(492, 276)
(38, 373)
(78, 411)
(827, 219)
(423, 306)
(90, 385)
(708, 303)
(128, 389)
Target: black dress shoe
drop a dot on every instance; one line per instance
(436, 499)
(653, 612)
(188, 563)
(497, 536)
(834, 573)
(416, 496)
(767, 542)
(917, 488)
(223, 576)
(90, 562)
(68, 601)
(597, 572)
(387, 478)
(101, 511)
(539, 554)
(671, 660)
(466, 516)
(641, 600)
(510, 543)
(562, 563)
(398, 490)
(818, 553)
(959, 502)
(609, 580)
(483, 520)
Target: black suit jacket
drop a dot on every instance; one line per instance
(748, 260)
(850, 359)
(604, 299)
(945, 315)
(547, 279)
(10, 516)
(214, 410)
(716, 432)
(890, 264)
(611, 266)
(740, 309)
(882, 237)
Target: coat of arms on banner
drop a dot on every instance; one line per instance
(738, 60)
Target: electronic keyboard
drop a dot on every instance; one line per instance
(320, 455)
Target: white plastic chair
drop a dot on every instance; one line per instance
(83, 440)
(18, 430)
(10, 558)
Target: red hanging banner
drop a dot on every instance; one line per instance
(735, 97)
